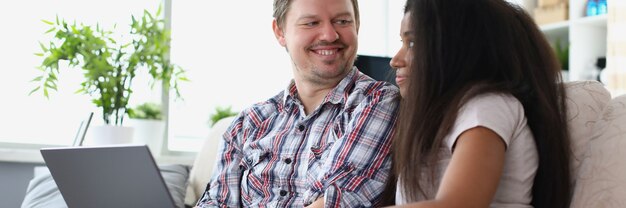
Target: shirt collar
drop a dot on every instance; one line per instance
(291, 92)
(337, 95)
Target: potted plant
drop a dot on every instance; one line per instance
(220, 113)
(562, 54)
(109, 66)
(146, 111)
(147, 121)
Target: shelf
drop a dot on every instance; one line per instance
(558, 30)
(596, 21)
(562, 28)
(586, 36)
(554, 26)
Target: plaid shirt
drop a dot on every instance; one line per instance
(274, 155)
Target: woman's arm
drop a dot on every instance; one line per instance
(319, 203)
(472, 177)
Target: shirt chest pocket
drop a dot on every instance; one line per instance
(321, 147)
(253, 180)
(320, 153)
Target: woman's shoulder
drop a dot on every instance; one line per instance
(499, 112)
(493, 101)
(493, 108)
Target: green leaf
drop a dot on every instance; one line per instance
(50, 30)
(221, 113)
(109, 66)
(47, 22)
(145, 12)
(51, 85)
(146, 111)
(34, 90)
(74, 29)
(38, 78)
(45, 93)
(52, 77)
(43, 47)
(562, 54)
(80, 91)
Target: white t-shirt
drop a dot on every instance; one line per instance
(503, 114)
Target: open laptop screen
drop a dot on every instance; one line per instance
(111, 176)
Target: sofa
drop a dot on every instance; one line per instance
(600, 179)
(597, 125)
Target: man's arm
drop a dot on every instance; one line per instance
(358, 164)
(223, 189)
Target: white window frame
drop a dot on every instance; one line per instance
(8, 150)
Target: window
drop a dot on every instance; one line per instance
(232, 58)
(227, 48)
(34, 119)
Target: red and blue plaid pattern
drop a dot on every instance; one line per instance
(273, 155)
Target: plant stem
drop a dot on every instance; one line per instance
(104, 108)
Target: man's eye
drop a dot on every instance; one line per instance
(343, 22)
(311, 23)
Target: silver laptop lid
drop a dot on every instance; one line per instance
(109, 176)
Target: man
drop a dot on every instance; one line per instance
(325, 140)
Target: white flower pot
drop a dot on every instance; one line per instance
(109, 135)
(148, 132)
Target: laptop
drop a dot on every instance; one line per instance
(107, 176)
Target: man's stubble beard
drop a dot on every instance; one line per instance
(319, 77)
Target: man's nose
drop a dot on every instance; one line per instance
(329, 33)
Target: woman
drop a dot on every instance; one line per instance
(483, 113)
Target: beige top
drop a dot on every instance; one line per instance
(503, 114)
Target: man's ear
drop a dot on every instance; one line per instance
(279, 33)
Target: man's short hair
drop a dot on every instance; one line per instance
(281, 7)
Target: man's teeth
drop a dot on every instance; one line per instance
(326, 52)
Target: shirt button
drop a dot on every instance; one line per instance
(288, 160)
(283, 193)
(301, 128)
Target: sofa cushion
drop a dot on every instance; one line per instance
(585, 102)
(202, 168)
(602, 179)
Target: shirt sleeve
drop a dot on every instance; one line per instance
(501, 113)
(359, 163)
(223, 188)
